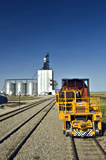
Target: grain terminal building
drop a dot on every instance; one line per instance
(43, 85)
(45, 79)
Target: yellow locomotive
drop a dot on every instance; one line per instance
(81, 114)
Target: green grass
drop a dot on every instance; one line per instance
(15, 104)
(36, 158)
(102, 96)
(103, 109)
(103, 105)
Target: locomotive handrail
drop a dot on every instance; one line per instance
(94, 103)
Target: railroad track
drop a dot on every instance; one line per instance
(20, 110)
(17, 138)
(10, 124)
(87, 148)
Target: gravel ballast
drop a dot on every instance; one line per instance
(48, 141)
(11, 123)
(8, 145)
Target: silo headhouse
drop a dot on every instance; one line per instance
(45, 78)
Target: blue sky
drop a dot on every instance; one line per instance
(72, 31)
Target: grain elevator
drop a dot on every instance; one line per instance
(44, 84)
(45, 78)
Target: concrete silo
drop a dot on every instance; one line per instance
(10, 88)
(31, 88)
(20, 88)
(35, 87)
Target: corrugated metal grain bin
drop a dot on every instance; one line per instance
(10, 88)
(20, 88)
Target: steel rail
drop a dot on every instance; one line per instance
(100, 147)
(26, 108)
(74, 149)
(16, 129)
(23, 107)
(17, 149)
(75, 154)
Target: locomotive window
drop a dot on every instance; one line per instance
(61, 95)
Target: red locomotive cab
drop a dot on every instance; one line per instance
(77, 84)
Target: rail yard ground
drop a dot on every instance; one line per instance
(23, 98)
(13, 102)
(47, 140)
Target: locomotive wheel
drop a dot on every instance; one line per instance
(67, 128)
(67, 125)
(67, 134)
(100, 133)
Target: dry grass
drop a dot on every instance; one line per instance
(22, 98)
(14, 104)
(98, 94)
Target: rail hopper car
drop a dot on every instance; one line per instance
(81, 114)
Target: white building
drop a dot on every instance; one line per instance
(45, 82)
